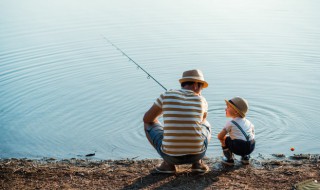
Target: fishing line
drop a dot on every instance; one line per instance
(138, 66)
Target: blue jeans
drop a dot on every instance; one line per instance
(155, 133)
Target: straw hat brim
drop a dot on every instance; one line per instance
(205, 84)
(234, 107)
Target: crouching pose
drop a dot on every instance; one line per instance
(184, 137)
(240, 139)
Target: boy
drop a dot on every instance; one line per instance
(241, 132)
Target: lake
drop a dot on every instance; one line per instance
(65, 91)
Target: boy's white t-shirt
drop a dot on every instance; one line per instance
(234, 131)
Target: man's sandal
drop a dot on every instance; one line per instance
(166, 168)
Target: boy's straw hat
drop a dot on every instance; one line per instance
(193, 76)
(239, 104)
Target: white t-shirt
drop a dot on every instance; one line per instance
(234, 131)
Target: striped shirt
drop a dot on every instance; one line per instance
(183, 113)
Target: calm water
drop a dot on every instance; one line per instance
(65, 92)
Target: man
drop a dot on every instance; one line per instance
(185, 135)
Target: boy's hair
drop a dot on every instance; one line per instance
(237, 114)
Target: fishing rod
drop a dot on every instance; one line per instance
(139, 67)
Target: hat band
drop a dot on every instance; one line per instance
(232, 103)
(240, 112)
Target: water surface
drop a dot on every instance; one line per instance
(66, 92)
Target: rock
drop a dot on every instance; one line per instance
(279, 155)
(91, 154)
(301, 156)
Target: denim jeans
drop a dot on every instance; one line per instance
(155, 133)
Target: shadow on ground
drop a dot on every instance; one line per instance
(183, 179)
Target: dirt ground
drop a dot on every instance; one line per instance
(278, 173)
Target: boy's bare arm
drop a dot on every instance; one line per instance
(222, 137)
(204, 117)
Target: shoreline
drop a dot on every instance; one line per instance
(279, 173)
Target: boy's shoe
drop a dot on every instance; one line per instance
(166, 168)
(245, 159)
(199, 167)
(229, 162)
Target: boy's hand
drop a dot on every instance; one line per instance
(222, 137)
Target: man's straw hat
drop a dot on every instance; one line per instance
(239, 104)
(193, 76)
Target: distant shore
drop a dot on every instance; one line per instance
(279, 173)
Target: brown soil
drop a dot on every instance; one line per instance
(277, 173)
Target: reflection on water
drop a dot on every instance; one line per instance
(66, 92)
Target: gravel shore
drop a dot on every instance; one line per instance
(281, 172)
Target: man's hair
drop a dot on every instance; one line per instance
(183, 84)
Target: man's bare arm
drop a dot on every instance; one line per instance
(151, 116)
